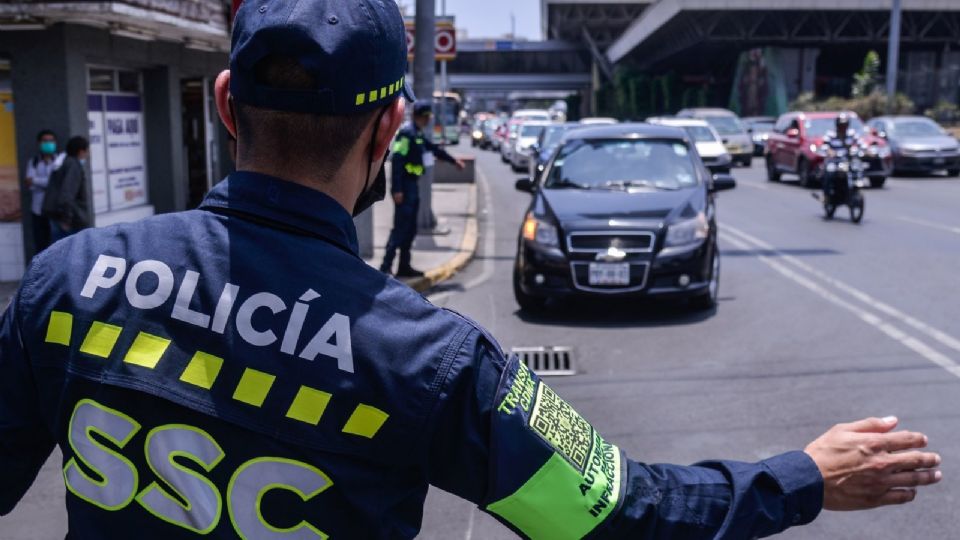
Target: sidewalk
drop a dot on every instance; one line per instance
(7, 290)
(440, 257)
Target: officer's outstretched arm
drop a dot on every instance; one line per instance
(507, 442)
(25, 442)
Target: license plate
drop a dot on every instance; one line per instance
(609, 274)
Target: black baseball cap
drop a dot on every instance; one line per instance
(356, 51)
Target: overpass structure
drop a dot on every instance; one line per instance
(813, 46)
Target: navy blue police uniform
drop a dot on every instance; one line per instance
(407, 166)
(238, 371)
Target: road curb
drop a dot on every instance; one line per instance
(463, 256)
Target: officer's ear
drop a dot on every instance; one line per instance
(221, 93)
(389, 124)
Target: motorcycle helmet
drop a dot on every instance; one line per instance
(843, 123)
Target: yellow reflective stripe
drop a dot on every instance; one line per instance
(60, 328)
(309, 405)
(100, 339)
(202, 370)
(254, 387)
(415, 170)
(361, 98)
(402, 145)
(146, 350)
(383, 92)
(373, 96)
(365, 421)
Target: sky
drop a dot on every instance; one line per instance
(491, 18)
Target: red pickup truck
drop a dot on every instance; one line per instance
(792, 148)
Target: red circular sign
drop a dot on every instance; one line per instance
(444, 41)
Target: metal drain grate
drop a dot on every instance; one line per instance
(547, 361)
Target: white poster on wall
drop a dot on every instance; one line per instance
(126, 167)
(98, 161)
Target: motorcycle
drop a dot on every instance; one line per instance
(844, 170)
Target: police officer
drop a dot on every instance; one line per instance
(410, 154)
(238, 371)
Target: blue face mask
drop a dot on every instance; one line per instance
(83, 162)
(48, 147)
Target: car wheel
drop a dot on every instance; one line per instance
(708, 300)
(829, 209)
(877, 182)
(747, 162)
(528, 303)
(773, 175)
(803, 171)
(953, 172)
(503, 158)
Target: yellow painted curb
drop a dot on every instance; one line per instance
(468, 248)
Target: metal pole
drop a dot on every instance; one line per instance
(424, 70)
(893, 55)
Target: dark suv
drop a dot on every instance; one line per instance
(625, 210)
(792, 148)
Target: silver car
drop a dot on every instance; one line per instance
(735, 137)
(918, 144)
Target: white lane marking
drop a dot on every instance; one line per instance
(489, 245)
(469, 535)
(866, 316)
(921, 326)
(753, 185)
(930, 224)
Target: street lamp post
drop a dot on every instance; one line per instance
(893, 55)
(424, 69)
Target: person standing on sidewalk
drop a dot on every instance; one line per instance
(65, 203)
(39, 169)
(409, 151)
(238, 371)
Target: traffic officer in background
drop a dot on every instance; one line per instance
(238, 371)
(413, 152)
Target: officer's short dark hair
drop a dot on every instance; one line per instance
(43, 133)
(76, 145)
(278, 136)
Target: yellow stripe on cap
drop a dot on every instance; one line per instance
(146, 350)
(100, 339)
(373, 96)
(254, 387)
(202, 370)
(60, 328)
(309, 405)
(365, 421)
(383, 92)
(361, 98)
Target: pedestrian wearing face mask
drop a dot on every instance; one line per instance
(39, 169)
(65, 203)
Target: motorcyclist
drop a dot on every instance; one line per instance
(842, 138)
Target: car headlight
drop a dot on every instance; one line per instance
(691, 231)
(814, 148)
(540, 232)
(477, 135)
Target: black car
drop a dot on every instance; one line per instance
(624, 210)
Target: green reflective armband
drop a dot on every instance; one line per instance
(416, 170)
(402, 145)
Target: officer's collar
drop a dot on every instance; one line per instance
(290, 205)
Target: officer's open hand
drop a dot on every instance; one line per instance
(865, 465)
(398, 198)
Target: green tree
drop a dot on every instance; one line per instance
(866, 80)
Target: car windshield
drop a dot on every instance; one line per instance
(700, 133)
(725, 125)
(762, 127)
(552, 135)
(531, 131)
(623, 165)
(916, 128)
(818, 127)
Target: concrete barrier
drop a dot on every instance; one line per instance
(447, 173)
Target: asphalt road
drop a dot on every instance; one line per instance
(819, 322)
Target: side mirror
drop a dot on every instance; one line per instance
(526, 185)
(534, 149)
(722, 182)
(793, 133)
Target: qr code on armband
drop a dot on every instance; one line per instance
(561, 426)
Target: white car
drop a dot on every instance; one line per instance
(527, 135)
(598, 121)
(531, 115)
(709, 144)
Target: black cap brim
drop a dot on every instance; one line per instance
(408, 91)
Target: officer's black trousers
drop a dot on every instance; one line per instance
(403, 233)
